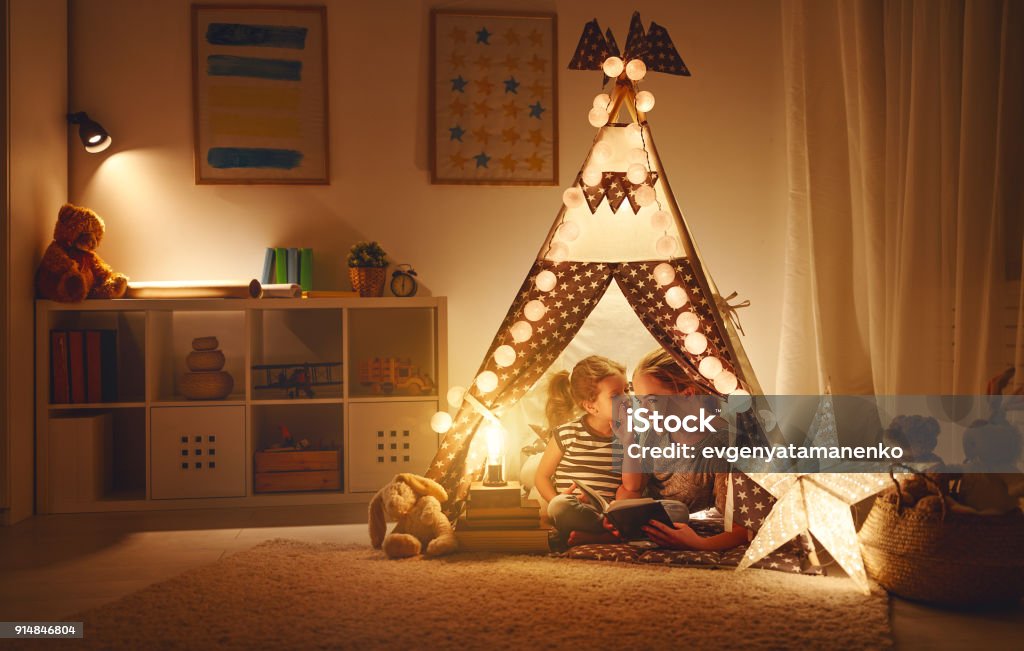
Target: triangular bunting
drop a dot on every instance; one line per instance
(662, 55)
(592, 49)
(616, 189)
(631, 192)
(636, 40)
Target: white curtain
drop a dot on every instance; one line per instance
(906, 151)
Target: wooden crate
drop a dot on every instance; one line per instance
(315, 470)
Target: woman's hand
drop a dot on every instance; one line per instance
(610, 528)
(679, 537)
(582, 496)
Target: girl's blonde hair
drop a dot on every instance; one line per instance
(567, 393)
(662, 367)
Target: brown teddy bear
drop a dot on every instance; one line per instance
(415, 502)
(70, 270)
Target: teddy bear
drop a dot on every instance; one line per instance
(415, 502)
(70, 270)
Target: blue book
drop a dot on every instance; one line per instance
(293, 266)
(268, 267)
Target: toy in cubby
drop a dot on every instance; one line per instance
(206, 379)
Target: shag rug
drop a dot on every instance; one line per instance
(292, 595)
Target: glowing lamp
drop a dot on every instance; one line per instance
(613, 66)
(441, 422)
(636, 173)
(666, 245)
(592, 177)
(676, 297)
(558, 252)
(644, 101)
(664, 273)
(695, 343)
(710, 367)
(546, 280)
(505, 356)
(725, 382)
(534, 310)
(573, 197)
(645, 195)
(601, 152)
(569, 231)
(602, 101)
(494, 435)
(521, 331)
(687, 322)
(598, 117)
(661, 220)
(455, 395)
(487, 381)
(636, 70)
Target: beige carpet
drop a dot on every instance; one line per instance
(286, 594)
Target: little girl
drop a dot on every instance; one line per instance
(582, 449)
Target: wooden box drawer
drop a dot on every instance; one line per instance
(298, 461)
(311, 480)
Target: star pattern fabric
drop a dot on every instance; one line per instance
(655, 48)
(751, 502)
(493, 76)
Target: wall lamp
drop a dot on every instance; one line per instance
(94, 137)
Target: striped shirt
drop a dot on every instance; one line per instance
(587, 455)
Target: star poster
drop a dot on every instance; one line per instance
(493, 99)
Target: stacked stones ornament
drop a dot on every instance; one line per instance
(206, 380)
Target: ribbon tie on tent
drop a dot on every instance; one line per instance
(730, 310)
(654, 47)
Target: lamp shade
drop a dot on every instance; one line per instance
(92, 134)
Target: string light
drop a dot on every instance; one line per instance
(601, 152)
(637, 155)
(569, 231)
(504, 355)
(573, 197)
(687, 322)
(534, 310)
(644, 100)
(602, 101)
(546, 280)
(521, 331)
(695, 343)
(676, 297)
(592, 177)
(455, 395)
(645, 195)
(558, 252)
(726, 382)
(636, 70)
(710, 367)
(613, 66)
(661, 220)
(666, 245)
(636, 173)
(487, 381)
(441, 422)
(664, 273)
(598, 117)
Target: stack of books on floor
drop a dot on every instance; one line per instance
(497, 520)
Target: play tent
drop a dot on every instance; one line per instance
(620, 254)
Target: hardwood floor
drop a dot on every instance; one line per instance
(53, 566)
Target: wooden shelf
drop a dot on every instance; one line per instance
(299, 401)
(95, 405)
(392, 399)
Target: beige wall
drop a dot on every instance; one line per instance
(720, 133)
(37, 159)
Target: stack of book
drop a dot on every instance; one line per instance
(83, 366)
(292, 266)
(497, 520)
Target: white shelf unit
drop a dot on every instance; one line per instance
(378, 434)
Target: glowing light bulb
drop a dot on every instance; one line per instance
(598, 117)
(601, 152)
(521, 331)
(534, 310)
(636, 132)
(687, 322)
(645, 195)
(661, 220)
(546, 280)
(504, 355)
(602, 101)
(666, 245)
(455, 395)
(739, 401)
(441, 422)
(676, 297)
(487, 381)
(637, 155)
(695, 343)
(592, 176)
(573, 197)
(664, 273)
(636, 69)
(710, 367)
(558, 252)
(636, 173)
(644, 100)
(725, 382)
(613, 66)
(569, 231)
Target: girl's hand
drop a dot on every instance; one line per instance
(679, 537)
(610, 528)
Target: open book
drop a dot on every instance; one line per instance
(630, 515)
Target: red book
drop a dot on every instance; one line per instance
(76, 365)
(93, 367)
(59, 389)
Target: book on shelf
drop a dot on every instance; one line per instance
(503, 540)
(628, 515)
(306, 269)
(280, 265)
(267, 276)
(60, 387)
(83, 366)
(76, 365)
(293, 265)
(506, 496)
(101, 365)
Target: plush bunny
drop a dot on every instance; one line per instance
(415, 502)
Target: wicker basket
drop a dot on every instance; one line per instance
(205, 360)
(952, 559)
(368, 281)
(213, 385)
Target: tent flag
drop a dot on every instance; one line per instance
(647, 251)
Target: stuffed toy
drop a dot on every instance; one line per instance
(70, 270)
(415, 502)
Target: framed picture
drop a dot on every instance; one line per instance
(493, 98)
(259, 78)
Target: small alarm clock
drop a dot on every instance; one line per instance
(403, 281)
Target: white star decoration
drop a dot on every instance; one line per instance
(820, 504)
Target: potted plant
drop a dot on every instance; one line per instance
(367, 263)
